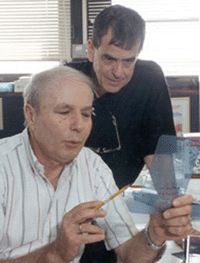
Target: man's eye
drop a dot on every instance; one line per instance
(129, 62)
(87, 115)
(64, 112)
(108, 59)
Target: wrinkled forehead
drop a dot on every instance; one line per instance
(67, 90)
(67, 83)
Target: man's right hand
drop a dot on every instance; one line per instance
(76, 229)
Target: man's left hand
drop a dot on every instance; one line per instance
(174, 223)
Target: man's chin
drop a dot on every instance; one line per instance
(70, 155)
(113, 89)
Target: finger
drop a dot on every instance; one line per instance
(177, 212)
(183, 200)
(91, 204)
(179, 231)
(87, 215)
(85, 212)
(91, 233)
(90, 229)
(179, 221)
(88, 239)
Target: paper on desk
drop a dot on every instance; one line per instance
(171, 169)
(180, 255)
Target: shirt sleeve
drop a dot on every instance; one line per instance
(118, 223)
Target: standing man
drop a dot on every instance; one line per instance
(132, 103)
(50, 184)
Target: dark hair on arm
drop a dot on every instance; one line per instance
(127, 26)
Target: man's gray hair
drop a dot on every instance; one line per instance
(39, 83)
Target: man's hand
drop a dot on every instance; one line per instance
(174, 223)
(70, 237)
(76, 229)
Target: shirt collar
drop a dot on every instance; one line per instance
(30, 154)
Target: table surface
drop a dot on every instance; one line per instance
(171, 247)
(142, 219)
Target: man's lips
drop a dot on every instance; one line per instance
(115, 81)
(73, 143)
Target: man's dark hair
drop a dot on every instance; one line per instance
(127, 26)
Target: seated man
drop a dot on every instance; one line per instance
(50, 184)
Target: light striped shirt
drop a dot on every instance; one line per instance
(31, 210)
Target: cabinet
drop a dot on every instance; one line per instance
(12, 116)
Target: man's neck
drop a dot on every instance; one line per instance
(99, 90)
(53, 173)
(52, 168)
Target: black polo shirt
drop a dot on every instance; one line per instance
(127, 124)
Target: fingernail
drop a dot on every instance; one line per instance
(166, 214)
(176, 202)
(103, 212)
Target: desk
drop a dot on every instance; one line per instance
(141, 220)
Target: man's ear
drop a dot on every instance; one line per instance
(90, 50)
(30, 114)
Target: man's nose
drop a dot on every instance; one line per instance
(117, 69)
(77, 123)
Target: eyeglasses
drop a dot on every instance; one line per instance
(110, 150)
